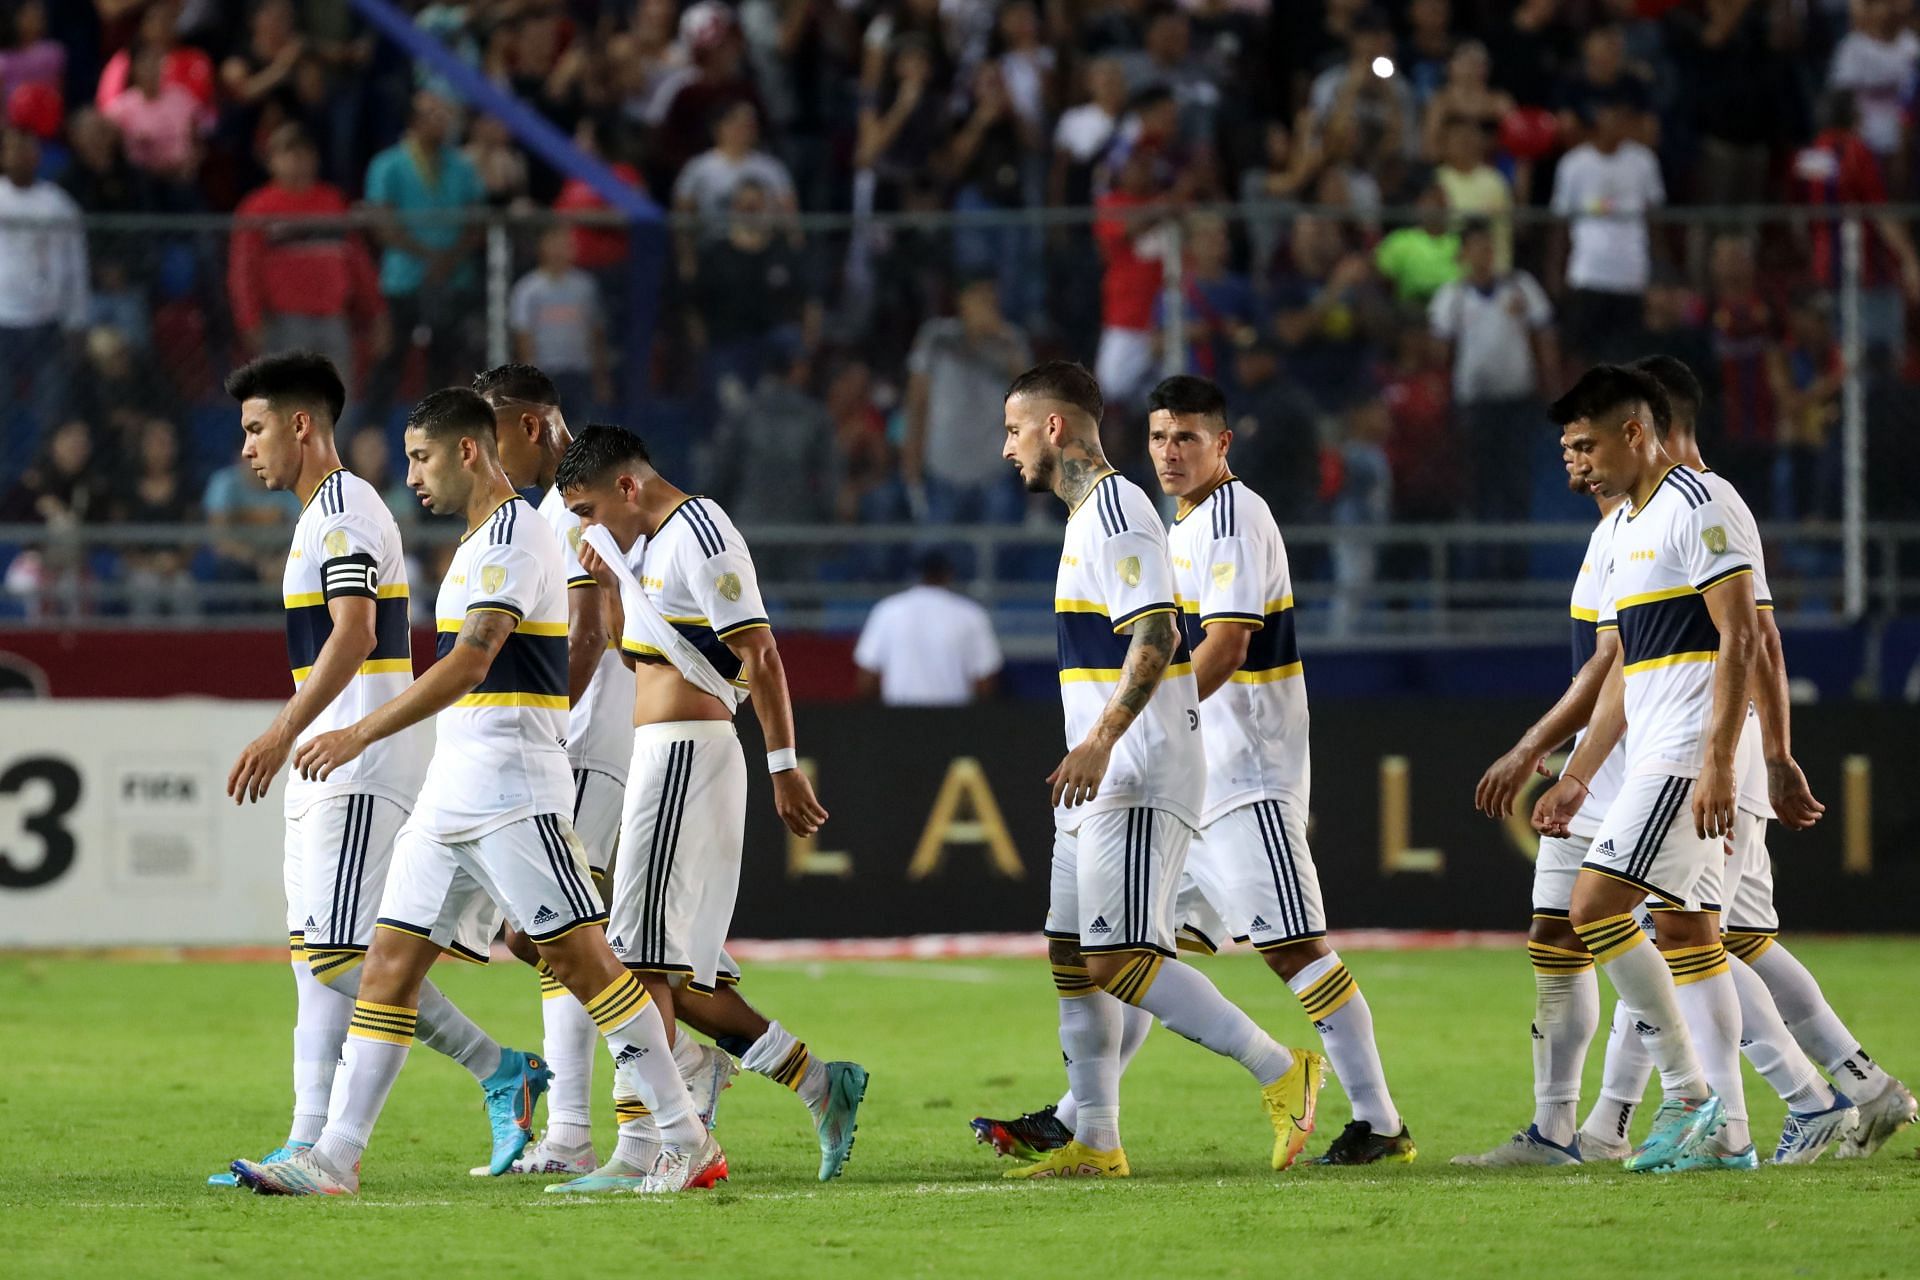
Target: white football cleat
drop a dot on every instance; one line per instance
(1527, 1147)
(1880, 1119)
(676, 1169)
(545, 1156)
(711, 1076)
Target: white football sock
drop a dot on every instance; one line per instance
(443, 1028)
(1640, 975)
(569, 1044)
(376, 1049)
(1623, 1080)
(639, 1140)
(1566, 1012)
(1816, 1026)
(1771, 1048)
(319, 1031)
(1180, 996)
(1134, 1025)
(1090, 1035)
(783, 1059)
(1339, 1012)
(1710, 1004)
(643, 1065)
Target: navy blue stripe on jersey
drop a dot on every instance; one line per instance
(711, 647)
(1089, 640)
(1693, 494)
(1225, 518)
(1722, 576)
(1586, 637)
(698, 513)
(525, 664)
(1662, 628)
(1275, 644)
(1691, 483)
(308, 627)
(710, 544)
(497, 606)
(1113, 517)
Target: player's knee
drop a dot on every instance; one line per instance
(1554, 931)
(339, 969)
(1292, 957)
(1065, 952)
(521, 945)
(1676, 929)
(1597, 898)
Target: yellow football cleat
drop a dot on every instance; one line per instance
(1076, 1160)
(1290, 1102)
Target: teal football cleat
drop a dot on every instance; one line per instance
(274, 1156)
(511, 1092)
(1680, 1128)
(614, 1175)
(846, 1088)
(1700, 1161)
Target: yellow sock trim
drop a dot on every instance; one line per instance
(1696, 964)
(550, 985)
(1073, 980)
(793, 1068)
(297, 944)
(1748, 947)
(329, 965)
(1612, 937)
(1328, 993)
(1551, 960)
(623, 998)
(387, 1023)
(1136, 977)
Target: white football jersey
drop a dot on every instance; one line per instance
(1752, 759)
(1230, 565)
(696, 570)
(1114, 571)
(346, 544)
(499, 753)
(1682, 542)
(1585, 610)
(600, 726)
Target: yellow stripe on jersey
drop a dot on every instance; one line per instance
(1111, 675)
(307, 599)
(1079, 606)
(524, 627)
(1671, 660)
(1269, 676)
(539, 701)
(1651, 597)
(693, 620)
(375, 667)
(1583, 615)
(1276, 606)
(640, 650)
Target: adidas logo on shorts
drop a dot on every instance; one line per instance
(618, 944)
(1258, 923)
(1605, 846)
(1099, 925)
(310, 924)
(545, 915)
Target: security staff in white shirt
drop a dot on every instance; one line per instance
(928, 646)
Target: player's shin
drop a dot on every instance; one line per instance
(1641, 977)
(1623, 1082)
(1770, 1047)
(377, 1043)
(1705, 994)
(1186, 1003)
(1339, 1012)
(784, 1059)
(1091, 1026)
(320, 1027)
(442, 1027)
(1134, 1025)
(1811, 1019)
(643, 1059)
(569, 1045)
(1566, 1012)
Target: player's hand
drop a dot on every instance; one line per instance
(320, 756)
(253, 773)
(1555, 810)
(1713, 799)
(596, 568)
(1504, 778)
(1791, 797)
(1077, 780)
(794, 801)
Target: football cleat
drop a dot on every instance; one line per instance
(1880, 1119)
(1806, 1135)
(515, 1085)
(1076, 1160)
(545, 1156)
(709, 1079)
(846, 1089)
(1681, 1127)
(274, 1156)
(1359, 1144)
(1029, 1136)
(1528, 1147)
(614, 1175)
(1703, 1160)
(1290, 1103)
(675, 1169)
(300, 1174)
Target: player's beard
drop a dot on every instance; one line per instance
(1044, 471)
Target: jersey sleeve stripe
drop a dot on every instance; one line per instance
(495, 606)
(1723, 576)
(1691, 483)
(1250, 619)
(583, 580)
(1583, 615)
(1128, 619)
(1652, 597)
(1670, 660)
(1111, 675)
(751, 624)
(1063, 605)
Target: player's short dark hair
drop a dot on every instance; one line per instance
(598, 451)
(305, 379)
(1684, 392)
(1064, 380)
(516, 382)
(453, 413)
(1185, 395)
(1609, 390)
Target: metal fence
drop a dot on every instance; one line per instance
(834, 380)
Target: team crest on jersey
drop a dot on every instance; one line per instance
(1222, 576)
(1129, 570)
(492, 578)
(573, 538)
(337, 542)
(1716, 539)
(728, 585)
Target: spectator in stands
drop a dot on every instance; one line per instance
(1166, 60)
(1382, 104)
(97, 174)
(239, 504)
(747, 288)
(43, 281)
(1604, 187)
(1027, 65)
(1674, 329)
(1746, 94)
(1503, 359)
(156, 493)
(1417, 260)
(774, 452)
(117, 393)
(1807, 378)
(1423, 451)
(598, 249)
(1474, 188)
(163, 128)
(369, 455)
(1606, 76)
(1745, 327)
(30, 56)
(1530, 49)
(928, 646)
(1220, 306)
(991, 161)
(1328, 308)
(421, 186)
(1466, 95)
(869, 483)
(957, 381)
(1876, 62)
(1276, 437)
(1081, 139)
(60, 489)
(1136, 231)
(718, 78)
(559, 325)
(902, 122)
(303, 280)
(183, 65)
(1427, 51)
(1364, 499)
(705, 187)
(498, 160)
(257, 80)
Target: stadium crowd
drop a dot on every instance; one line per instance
(1381, 367)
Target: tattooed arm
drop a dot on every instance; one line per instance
(1155, 637)
(445, 683)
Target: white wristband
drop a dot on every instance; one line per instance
(782, 760)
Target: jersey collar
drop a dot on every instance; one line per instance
(1097, 482)
(318, 487)
(1186, 509)
(1658, 485)
(490, 515)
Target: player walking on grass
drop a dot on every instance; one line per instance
(1249, 862)
(489, 831)
(697, 637)
(350, 650)
(1128, 795)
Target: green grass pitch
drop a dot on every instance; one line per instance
(127, 1083)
